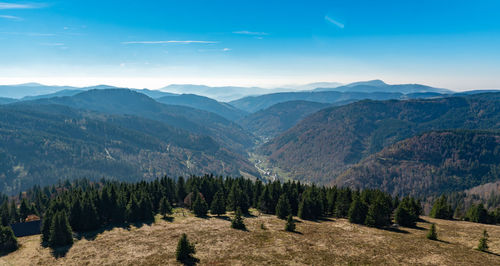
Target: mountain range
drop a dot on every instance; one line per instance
(325, 144)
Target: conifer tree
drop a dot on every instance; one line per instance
(237, 222)
(8, 241)
(146, 208)
(200, 207)
(441, 209)
(180, 189)
(379, 212)
(132, 211)
(184, 250)
(483, 242)
(237, 199)
(357, 211)
(265, 201)
(218, 204)
(283, 208)
(290, 224)
(14, 214)
(24, 210)
(164, 208)
(60, 230)
(432, 234)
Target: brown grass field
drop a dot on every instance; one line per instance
(328, 242)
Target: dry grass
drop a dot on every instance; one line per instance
(327, 242)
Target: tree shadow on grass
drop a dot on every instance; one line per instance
(395, 230)
(190, 261)
(491, 253)
(92, 235)
(168, 218)
(222, 217)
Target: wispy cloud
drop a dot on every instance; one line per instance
(4, 5)
(11, 17)
(226, 49)
(246, 32)
(52, 44)
(334, 22)
(32, 34)
(165, 42)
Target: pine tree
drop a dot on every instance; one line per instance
(357, 211)
(483, 242)
(237, 199)
(441, 209)
(14, 214)
(290, 224)
(265, 201)
(200, 207)
(379, 212)
(60, 230)
(132, 212)
(24, 210)
(180, 190)
(184, 250)
(432, 234)
(8, 241)
(283, 208)
(218, 205)
(237, 222)
(164, 208)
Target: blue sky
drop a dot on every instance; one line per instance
(451, 44)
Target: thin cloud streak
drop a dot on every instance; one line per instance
(245, 32)
(4, 5)
(334, 22)
(11, 17)
(165, 42)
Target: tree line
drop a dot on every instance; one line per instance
(82, 205)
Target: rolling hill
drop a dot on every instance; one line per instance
(432, 163)
(253, 104)
(124, 101)
(278, 118)
(380, 86)
(41, 144)
(328, 142)
(204, 103)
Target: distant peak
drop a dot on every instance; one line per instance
(375, 83)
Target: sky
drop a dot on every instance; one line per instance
(151, 44)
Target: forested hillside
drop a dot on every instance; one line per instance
(40, 144)
(430, 164)
(328, 142)
(204, 103)
(123, 101)
(278, 118)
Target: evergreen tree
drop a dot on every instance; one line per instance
(5, 214)
(357, 211)
(89, 219)
(283, 208)
(265, 201)
(290, 224)
(184, 250)
(164, 208)
(483, 242)
(8, 242)
(237, 222)
(146, 208)
(218, 204)
(60, 230)
(407, 213)
(237, 199)
(200, 206)
(180, 190)
(132, 212)
(75, 215)
(379, 212)
(14, 214)
(477, 214)
(24, 210)
(432, 234)
(441, 209)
